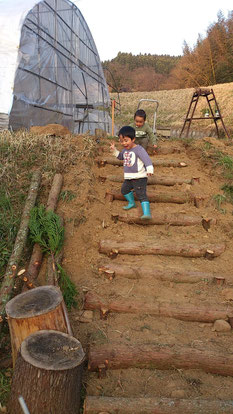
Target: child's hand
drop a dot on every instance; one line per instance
(149, 174)
(112, 146)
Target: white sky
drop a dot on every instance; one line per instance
(148, 26)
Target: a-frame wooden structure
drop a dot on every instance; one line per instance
(215, 115)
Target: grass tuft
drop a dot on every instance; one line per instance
(219, 200)
(67, 195)
(228, 192)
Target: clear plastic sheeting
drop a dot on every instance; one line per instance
(51, 68)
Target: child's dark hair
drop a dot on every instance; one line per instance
(127, 131)
(141, 113)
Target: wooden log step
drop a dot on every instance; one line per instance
(159, 180)
(184, 312)
(116, 405)
(102, 161)
(151, 150)
(158, 356)
(158, 197)
(133, 271)
(175, 219)
(112, 248)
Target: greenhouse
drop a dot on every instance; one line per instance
(50, 70)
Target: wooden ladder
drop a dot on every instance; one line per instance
(215, 115)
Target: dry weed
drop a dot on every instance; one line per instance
(173, 106)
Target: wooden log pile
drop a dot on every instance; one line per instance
(13, 263)
(37, 255)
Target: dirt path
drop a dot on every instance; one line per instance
(88, 221)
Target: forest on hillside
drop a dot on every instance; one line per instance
(209, 62)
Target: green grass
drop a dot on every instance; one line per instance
(228, 192)
(226, 161)
(219, 200)
(21, 153)
(67, 195)
(69, 290)
(9, 221)
(5, 385)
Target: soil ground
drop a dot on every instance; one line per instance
(88, 220)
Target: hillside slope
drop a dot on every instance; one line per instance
(173, 106)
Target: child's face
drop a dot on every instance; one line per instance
(139, 121)
(127, 142)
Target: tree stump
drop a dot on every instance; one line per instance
(35, 310)
(50, 364)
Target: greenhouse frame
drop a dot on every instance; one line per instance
(50, 69)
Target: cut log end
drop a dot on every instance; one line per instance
(35, 302)
(52, 350)
(209, 254)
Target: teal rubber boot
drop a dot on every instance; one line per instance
(130, 198)
(146, 210)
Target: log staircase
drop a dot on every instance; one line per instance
(169, 346)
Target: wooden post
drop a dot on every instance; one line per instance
(113, 114)
(34, 310)
(48, 374)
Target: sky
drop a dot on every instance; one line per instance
(148, 26)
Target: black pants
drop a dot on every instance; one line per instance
(138, 185)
